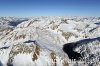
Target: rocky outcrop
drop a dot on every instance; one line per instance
(39, 41)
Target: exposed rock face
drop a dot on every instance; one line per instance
(33, 51)
(40, 41)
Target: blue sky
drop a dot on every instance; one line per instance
(28, 8)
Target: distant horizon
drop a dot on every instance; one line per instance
(30, 8)
(46, 16)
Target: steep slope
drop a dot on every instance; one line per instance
(39, 41)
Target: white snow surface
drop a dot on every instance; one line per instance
(50, 34)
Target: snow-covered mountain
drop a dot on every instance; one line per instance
(39, 41)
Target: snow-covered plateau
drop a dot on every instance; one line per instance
(50, 41)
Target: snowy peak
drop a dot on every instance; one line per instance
(39, 41)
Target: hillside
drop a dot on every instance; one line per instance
(50, 41)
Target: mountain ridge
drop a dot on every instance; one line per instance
(50, 35)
